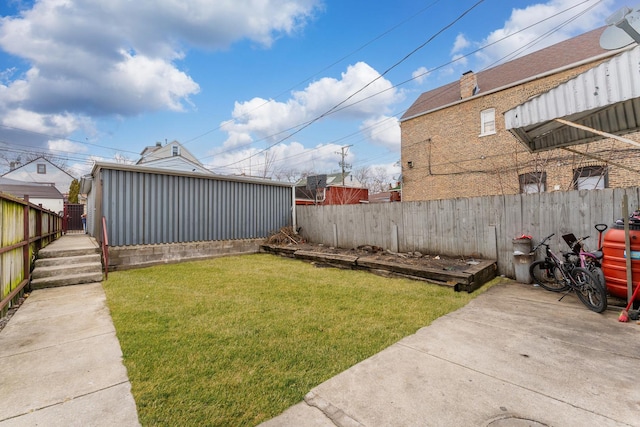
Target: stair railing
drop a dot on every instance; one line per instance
(105, 248)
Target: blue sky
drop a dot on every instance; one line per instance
(247, 85)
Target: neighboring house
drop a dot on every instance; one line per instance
(333, 190)
(46, 195)
(393, 195)
(171, 156)
(42, 171)
(455, 143)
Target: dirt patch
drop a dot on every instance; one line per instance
(438, 262)
(286, 237)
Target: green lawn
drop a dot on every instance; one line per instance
(236, 340)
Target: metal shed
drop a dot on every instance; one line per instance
(143, 205)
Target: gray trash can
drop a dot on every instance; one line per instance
(522, 259)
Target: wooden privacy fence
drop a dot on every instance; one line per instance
(24, 229)
(482, 227)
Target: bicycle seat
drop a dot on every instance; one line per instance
(596, 254)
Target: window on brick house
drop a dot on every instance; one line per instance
(488, 122)
(590, 178)
(42, 168)
(533, 182)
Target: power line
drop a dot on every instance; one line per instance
(330, 110)
(340, 106)
(343, 104)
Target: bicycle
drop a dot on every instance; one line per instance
(557, 275)
(583, 258)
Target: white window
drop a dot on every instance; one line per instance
(533, 182)
(175, 150)
(591, 178)
(488, 122)
(42, 168)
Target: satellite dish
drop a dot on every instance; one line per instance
(624, 29)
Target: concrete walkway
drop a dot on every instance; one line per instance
(514, 356)
(61, 363)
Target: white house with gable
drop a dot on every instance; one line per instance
(170, 156)
(42, 171)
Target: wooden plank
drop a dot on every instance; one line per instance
(416, 270)
(349, 260)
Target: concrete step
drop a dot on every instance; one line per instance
(80, 259)
(66, 269)
(48, 252)
(66, 280)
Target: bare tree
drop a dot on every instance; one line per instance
(375, 179)
(122, 159)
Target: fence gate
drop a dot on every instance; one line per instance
(73, 217)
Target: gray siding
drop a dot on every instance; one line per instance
(143, 207)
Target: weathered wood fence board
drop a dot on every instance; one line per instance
(483, 227)
(24, 228)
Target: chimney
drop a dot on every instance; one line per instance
(158, 144)
(12, 165)
(468, 85)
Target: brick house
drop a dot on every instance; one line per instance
(454, 141)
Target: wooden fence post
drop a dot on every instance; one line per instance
(26, 264)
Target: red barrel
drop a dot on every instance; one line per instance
(614, 263)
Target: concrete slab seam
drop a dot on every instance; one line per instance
(59, 344)
(497, 326)
(508, 382)
(335, 414)
(66, 400)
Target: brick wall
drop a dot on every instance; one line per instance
(450, 159)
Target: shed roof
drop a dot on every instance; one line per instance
(161, 171)
(605, 98)
(566, 54)
(36, 191)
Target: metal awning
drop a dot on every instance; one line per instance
(603, 102)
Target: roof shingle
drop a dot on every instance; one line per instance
(563, 54)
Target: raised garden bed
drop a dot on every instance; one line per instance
(459, 273)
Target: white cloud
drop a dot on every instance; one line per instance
(282, 157)
(550, 22)
(66, 146)
(383, 131)
(120, 57)
(50, 124)
(420, 75)
(555, 26)
(270, 119)
(460, 44)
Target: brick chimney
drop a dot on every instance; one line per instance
(468, 84)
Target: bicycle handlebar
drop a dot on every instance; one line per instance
(543, 242)
(578, 242)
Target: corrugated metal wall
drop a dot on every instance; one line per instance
(151, 208)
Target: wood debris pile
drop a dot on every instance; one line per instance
(286, 236)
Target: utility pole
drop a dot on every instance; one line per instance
(342, 163)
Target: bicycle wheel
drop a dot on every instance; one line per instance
(595, 269)
(599, 274)
(589, 290)
(548, 276)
